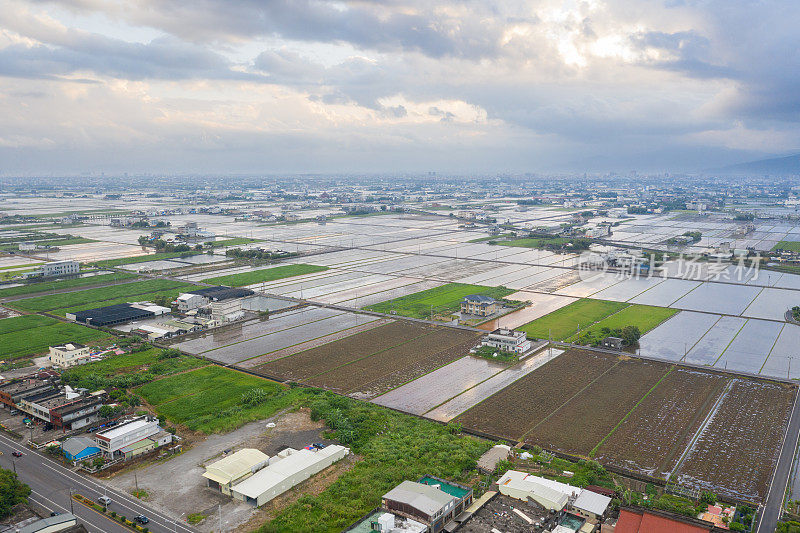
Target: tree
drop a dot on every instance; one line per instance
(106, 411)
(12, 492)
(630, 335)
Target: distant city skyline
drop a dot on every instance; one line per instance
(246, 86)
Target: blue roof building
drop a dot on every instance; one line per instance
(78, 448)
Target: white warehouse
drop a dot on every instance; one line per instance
(286, 470)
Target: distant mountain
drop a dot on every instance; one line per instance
(778, 166)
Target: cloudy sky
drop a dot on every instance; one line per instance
(276, 86)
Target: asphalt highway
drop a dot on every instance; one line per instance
(50, 484)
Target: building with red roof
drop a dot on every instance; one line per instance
(638, 520)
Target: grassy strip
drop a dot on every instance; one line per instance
(33, 288)
(90, 296)
(563, 323)
(265, 275)
(444, 300)
(235, 241)
(168, 295)
(624, 418)
(19, 266)
(50, 242)
(108, 263)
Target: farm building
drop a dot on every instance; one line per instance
(488, 461)
(615, 343)
(479, 305)
(432, 501)
(64, 409)
(508, 339)
(202, 297)
(79, 448)
(590, 505)
(51, 524)
(637, 520)
(383, 521)
(112, 315)
(286, 470)
(546, 492)
(69, 354)
(236, 467)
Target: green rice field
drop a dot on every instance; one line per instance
(645, 317)
(443, 300)
(265, 275)
(28, 335)
(564, 322)
(33, 288)
(136, 291)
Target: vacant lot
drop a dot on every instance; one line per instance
(210, 399)
(100, 295)
(586, 418)
(652, 438)
(517, 408)
(442, 300)
(33, 288)
(564, 322)
(126, 370)
(30, 335)
(265, 275)
(738, 450)
(645, 317)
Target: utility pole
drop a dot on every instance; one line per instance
(71, 510)
(219, 507)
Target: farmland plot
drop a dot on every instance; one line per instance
(582, 422)
(354, 375)
(523, 404)
(315, 361)
(652, 438)
(738, 450)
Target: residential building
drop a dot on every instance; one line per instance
(55, 269)
(27, 246)
(507, 339)
(479, 305)
(12, 391)
(286, 470)
(112, 441)
(69, 354)
(63, 409)
(234, 468)
(431, 501)
(546, 492)
(79, 448)
(203, 297)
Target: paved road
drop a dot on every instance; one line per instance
(50, 484)
(771, 512)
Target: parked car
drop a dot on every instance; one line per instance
(105, 500)
(142, 519)
(16, 454)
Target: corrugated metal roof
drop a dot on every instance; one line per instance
(236, 464)
(425, 498)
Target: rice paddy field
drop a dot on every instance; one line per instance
(265, 275)
(86, 299)
(707, 430)
(442, 300)
(57, 285)
(28, 335)
(566, 321)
